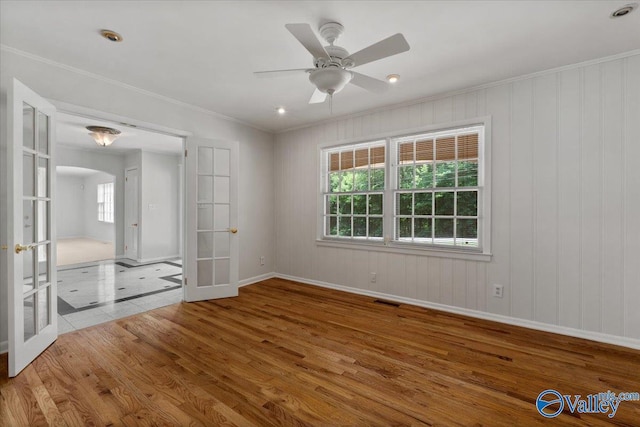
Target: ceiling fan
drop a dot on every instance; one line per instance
(333, 64)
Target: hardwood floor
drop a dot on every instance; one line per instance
(284, 353)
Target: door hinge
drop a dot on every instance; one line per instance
(185, 281)
(126, 247)
(126, 179)
(185, 153)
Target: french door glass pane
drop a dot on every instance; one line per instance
(205, 188)
(222, 271)
(28, 164)
(221, 162)
(205, 160)
(205, 244)
(205, 272)
(28, 216)
(28, 126)
(28, 259)
(44, 317)
(29, 316)
(43, 133)
(222, 244)
(221, 189)
(43, 215)
(205, 216)
(43, 169)
(221, 217)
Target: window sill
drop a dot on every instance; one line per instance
(405, 249)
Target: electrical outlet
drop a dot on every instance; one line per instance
(498, 291)
(262, 260)
(373, 277)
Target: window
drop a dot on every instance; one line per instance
(105, 202)
(353, 194)
(437, 186)
(423, 191)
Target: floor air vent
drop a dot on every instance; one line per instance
(391, 303)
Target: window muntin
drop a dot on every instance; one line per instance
(105, 202)
(353, 194)
(437, 189)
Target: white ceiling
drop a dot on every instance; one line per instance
(204, 53)
(71, 131)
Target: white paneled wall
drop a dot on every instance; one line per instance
(565, 206)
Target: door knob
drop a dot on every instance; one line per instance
(233, 230)
(20, 248)
(134, 225)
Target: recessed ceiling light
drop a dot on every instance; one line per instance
(281, 110)
(393, 78)
(624, 10)
(111, 35)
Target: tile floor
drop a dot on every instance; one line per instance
(108, 290)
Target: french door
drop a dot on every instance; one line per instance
(211, 267)
(31, 272)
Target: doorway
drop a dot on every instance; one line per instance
(135, 188)
(85, 226)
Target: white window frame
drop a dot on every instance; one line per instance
(366, 193)
(388, 244)
(106, 205)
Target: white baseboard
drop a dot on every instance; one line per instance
(531, 324)
(4, 347)
(256, 279)
(158, 259)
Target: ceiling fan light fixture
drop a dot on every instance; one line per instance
(393, 78)
(330, 80)
(103, 136)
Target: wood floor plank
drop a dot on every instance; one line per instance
(288, 354)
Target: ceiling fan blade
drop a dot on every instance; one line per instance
(318, 97)
(280, 73)
(369, 83)
(384, 48)
(307, 37)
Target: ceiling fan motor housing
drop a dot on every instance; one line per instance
(331, 79)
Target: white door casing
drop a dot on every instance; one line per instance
(31, 272)
(132, 217)
(211, 214)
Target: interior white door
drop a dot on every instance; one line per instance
(131, 214)
(211, 256)
(31, 272)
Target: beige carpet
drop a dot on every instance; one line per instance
(78, 251)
